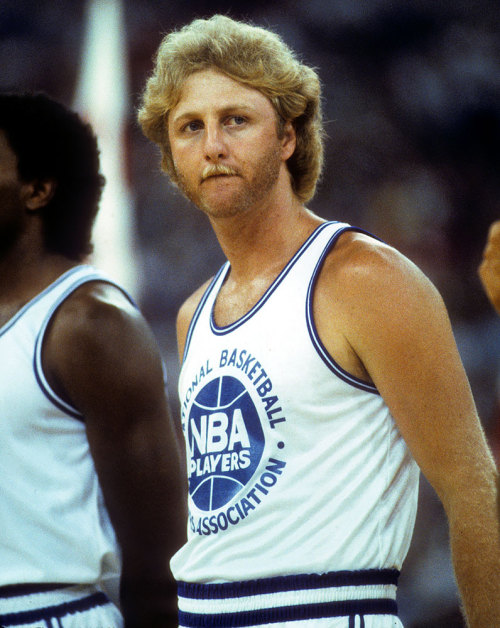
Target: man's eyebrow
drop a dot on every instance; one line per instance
(195, 113)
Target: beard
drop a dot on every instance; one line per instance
(247, 192)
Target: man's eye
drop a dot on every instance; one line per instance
(194, 125)
(237, 120)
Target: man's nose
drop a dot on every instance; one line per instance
(215, 145)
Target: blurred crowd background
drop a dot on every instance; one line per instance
(412, 104)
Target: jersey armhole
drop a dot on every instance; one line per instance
(42, 381)
(330, 362)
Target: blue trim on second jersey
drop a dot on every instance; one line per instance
(220, 331)
(39, 296)
(93, 275)
(56, 401)
(313, 333)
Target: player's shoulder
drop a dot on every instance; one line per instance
(362, 267)
(100, 297)
(358, 254)
(96, 310)
(100, 334)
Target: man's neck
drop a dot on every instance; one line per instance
(261, 242)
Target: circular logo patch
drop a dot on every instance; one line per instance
(226, 442)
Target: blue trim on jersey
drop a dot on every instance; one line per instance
(53, 612)
(311, 326)
(294, 582)
(93, 275)
(220, 331)
(44, 386)
(199, 308)
(56, 401)
(37, 298)
(265, 616)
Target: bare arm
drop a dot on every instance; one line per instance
(395, 330)
(489, 270)
(101, 356)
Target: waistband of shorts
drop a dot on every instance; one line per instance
(17, 590)
(288, 598)
(29, 603)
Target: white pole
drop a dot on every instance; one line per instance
(102, 99)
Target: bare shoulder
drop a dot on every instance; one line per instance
(99, 316)
(92, 305)
(97, 341)
(185, 315)
(363, 271)
(368, 298)
(363, 257)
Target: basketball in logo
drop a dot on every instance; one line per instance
(226, 442)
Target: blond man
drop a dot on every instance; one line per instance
(319, 369)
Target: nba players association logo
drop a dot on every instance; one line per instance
(226, 442)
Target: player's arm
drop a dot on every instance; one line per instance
(396, 330)
(101, 356)
(489, 270)
(185, 314)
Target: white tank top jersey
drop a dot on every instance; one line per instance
(296, 468)
(54, 525)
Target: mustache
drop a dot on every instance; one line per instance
(215, 170)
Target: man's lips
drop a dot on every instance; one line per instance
(217, 171)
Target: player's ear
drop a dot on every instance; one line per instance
(288, 140)
(38, 193)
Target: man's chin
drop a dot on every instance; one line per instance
(220, 205)
(221, 211)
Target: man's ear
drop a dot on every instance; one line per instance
(288, 140)
(38, 193)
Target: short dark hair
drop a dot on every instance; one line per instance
(53, 142)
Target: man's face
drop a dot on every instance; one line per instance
(225, 147)
(12, 208)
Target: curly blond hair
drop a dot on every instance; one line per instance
(253, 56)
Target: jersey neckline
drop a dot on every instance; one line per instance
(223, 273)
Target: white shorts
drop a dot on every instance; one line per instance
(57, 606)
(348, 599)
